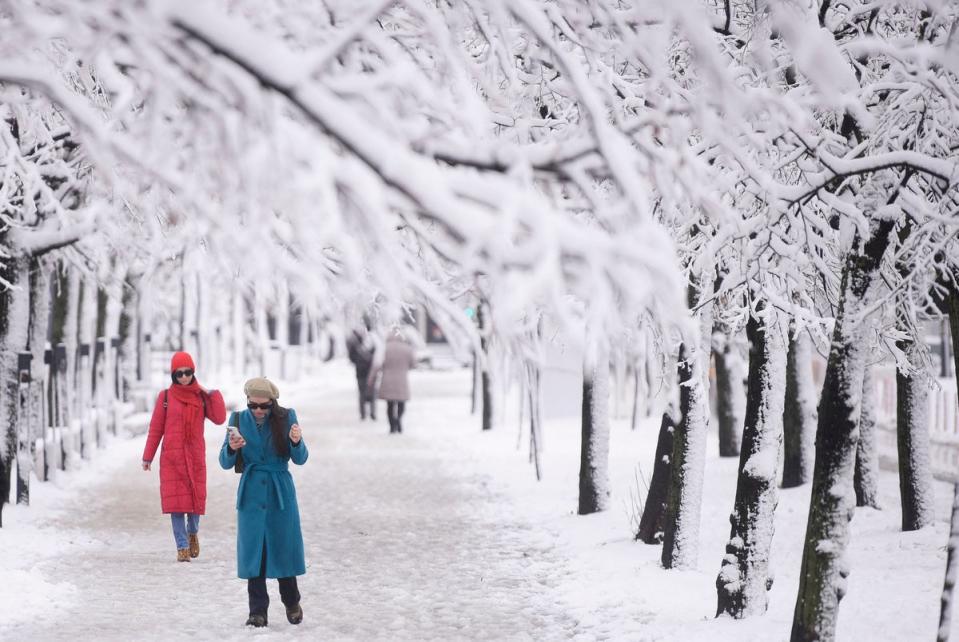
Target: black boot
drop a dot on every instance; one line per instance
(294, 614)
(256, 619)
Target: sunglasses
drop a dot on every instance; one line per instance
(259, 406)
(183, 373)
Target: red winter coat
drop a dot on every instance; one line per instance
(183, 457)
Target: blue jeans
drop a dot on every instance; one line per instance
(180, 529)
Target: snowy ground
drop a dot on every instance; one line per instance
(441, 533)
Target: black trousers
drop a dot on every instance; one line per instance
(394, 412)
(260, 600)
(366, 397)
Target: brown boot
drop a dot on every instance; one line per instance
(183, 555)
(194, 545)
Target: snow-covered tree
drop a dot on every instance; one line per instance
(594, 450)
(744, 578)
(799, 415)
(730, 392)
(866, 474)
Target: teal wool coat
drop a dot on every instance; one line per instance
(268, 517)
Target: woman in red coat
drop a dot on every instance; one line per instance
(178, 420)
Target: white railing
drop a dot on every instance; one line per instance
(943, 423)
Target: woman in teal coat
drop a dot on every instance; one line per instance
(268, 539)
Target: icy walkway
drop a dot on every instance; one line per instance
(402, 543)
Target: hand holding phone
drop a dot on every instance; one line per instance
(235, 439)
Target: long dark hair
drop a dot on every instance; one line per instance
(278, 430)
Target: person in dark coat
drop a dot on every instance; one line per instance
(269, 542)
(178, 416)
(394, 386)
(361, 347)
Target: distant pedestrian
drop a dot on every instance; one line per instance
(363, 347)
(269, 542)
(178, 416)
(394, 386)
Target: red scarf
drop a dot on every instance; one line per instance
(191, 397)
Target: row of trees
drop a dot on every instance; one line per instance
(789, 168)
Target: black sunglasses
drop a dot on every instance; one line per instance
(183, 373)
(260, 406)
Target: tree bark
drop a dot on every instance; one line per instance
(31, 404)
(130, 335)
(14, 315)
(952, 571)
(651, 524)
(912, 439)
(822, 582)
(89, 436)
(866, 475)
(238, 326)
(685, 494)
(486, 383)
(730, 395)
(744, 578)
(534, 381)
(72, 404)
(594, 448)
(799, 414)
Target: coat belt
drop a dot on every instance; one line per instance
(273, 469)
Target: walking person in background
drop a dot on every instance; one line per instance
(269, 542)
(363, 347)
(394, 387)
(177, 420)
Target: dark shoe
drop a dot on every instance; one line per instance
(183, 555)
(194, 545)
(256, 619)
(294, 614)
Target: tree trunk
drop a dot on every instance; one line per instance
(281, 311)
(71, 339)
(685, 494)
(952, 571)
(799, 414)
(822, 578)
(953, 302)
(654, 510)
(912, 439)
(14, 318)
(866, 476)
(744, 578)
(89, 437)
(262, 331)
(534, 381)
(238, 326)
(130, 336)
(594, 448)
(730, 394)
(474, 385)
(111, 337)
(487, 384)
(31, 391)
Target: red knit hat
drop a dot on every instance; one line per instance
(181, 360)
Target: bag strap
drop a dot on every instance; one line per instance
(166, 394)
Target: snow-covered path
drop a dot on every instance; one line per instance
(441, 533)
(401, 543)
